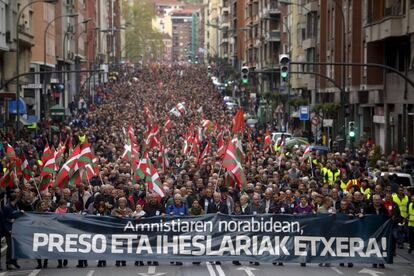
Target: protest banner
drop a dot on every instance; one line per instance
(261, 238)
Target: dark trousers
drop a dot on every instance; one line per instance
(9, 255)
(411, 235)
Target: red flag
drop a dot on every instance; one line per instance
(238, 122)
(167, 125)
(267, 138)
(221, 147)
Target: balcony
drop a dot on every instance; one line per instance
(312, 6)
(309, 43)
(385, 28)
(225, 10)
(273, 36)
(391, 25)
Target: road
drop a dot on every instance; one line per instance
(403, 266)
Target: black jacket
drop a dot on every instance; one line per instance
(216, 208)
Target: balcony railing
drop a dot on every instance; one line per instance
(273, 35)
(396, 8)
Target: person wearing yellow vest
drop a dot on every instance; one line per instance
(402, 201)
(82, 138)
(344, 184)
(365, 189)
(328, 174)
(411, 224)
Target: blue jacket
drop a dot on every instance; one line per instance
(9, 212)
(178, 211)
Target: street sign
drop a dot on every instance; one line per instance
(304, 113)
(328, 122)
(316, 121)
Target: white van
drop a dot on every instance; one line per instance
(404, 179)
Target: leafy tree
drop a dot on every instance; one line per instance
(142, 42)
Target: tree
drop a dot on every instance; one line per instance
(142, 42)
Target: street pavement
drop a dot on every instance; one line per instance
(403, 266)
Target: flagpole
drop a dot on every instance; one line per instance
(310, 160)
(37, 188)
(218, 176)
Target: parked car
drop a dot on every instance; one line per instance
(404, 179)
(277, 135)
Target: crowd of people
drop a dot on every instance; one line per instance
(278, 181)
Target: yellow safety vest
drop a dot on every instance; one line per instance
(336, 175)
(402, 204)
(411, 213)
(366, 192)
(82, 139)
(344, 185)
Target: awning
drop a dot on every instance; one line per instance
(57, 110)
(30, 120)
(22, 107)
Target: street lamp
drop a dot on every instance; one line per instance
(44, 54)
(86, 21)
(17, 58)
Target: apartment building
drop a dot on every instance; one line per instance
(181, 34)
(386, 97)
(211, 30)
(9, 11)
(238, 27)
(265, 39)
(224, 31)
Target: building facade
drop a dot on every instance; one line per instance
(181, 34)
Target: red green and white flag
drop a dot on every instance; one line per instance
(140, 168)
(7, 179)
(23, 168)
(10, 153)
(153, 180)
(86, 156)
(307, 152)
(181, 107)
(59, 153)
(68, 168)
(48, 161)
(232, 162)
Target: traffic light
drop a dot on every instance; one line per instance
(245, 75)
(189, 58)
(351, 130)
(284, 61)
(196, 60)
(209, 71)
